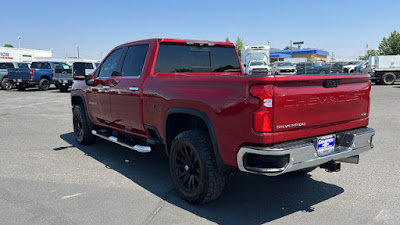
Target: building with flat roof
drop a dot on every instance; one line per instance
(280, 55)
(30, 55)
(22, 54)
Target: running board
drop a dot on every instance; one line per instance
(139, 148)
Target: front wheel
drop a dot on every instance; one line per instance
(82, 131)
(44, 84)
(193, 168)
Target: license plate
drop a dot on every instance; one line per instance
(326, 145)
(65, 81)
(19, 80)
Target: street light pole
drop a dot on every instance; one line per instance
(77, 48)
(19, 43)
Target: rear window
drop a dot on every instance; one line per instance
(191, 59)
(23, 65)
(40, 65)
(6, 66)
(88, 66)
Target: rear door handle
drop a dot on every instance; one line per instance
(133, 88)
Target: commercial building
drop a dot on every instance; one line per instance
(22, 54)
(317, 54)
(30, 55)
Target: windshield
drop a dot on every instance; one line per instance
(361, 64)
(280, 64)
(258, 63)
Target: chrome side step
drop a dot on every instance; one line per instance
(139, 148)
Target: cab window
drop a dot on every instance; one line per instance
(111, 64)
(134, 60)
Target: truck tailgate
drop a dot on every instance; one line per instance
(320, 100)
(19, 74)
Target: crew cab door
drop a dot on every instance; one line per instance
(126, 93)
(98, 99)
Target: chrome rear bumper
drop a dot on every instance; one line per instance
(301, 154)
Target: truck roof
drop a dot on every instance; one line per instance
(178, 41)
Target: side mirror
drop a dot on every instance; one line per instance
(244, 65)
(75, 76)
(88, 80)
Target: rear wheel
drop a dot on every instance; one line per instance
(83, 134)
(388, 78)
(193, 168)
(63, 88)
(44, 84)
(5, 84)
(21, 87)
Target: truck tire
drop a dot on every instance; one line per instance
(5, 85)
(21, 87)
(83, 134)
(193, 168)
(388, 78)
(44, 84)
(63, 88)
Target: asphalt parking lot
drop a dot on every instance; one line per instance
(46, 178)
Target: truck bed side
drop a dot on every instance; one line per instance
(227, 103)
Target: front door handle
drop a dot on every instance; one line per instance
(133, 88)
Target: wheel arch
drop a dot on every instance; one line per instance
(197, 120)
(45, 77)
(78, 98)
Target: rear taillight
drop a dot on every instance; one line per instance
(8, 73)
(31, 73)
(52, 73)
(263, 115)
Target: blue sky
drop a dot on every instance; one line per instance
(341, 27)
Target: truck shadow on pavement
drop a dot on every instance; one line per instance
(247, 199)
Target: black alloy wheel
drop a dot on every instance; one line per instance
(193, 167)
(82, 131)
(78, 126)
(187, 169)
(44, 84)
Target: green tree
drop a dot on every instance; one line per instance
(370, 52)
(239, 45)
(227, 40)
(390, 45)
(8, 45)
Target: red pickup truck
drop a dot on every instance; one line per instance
(192, 100)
